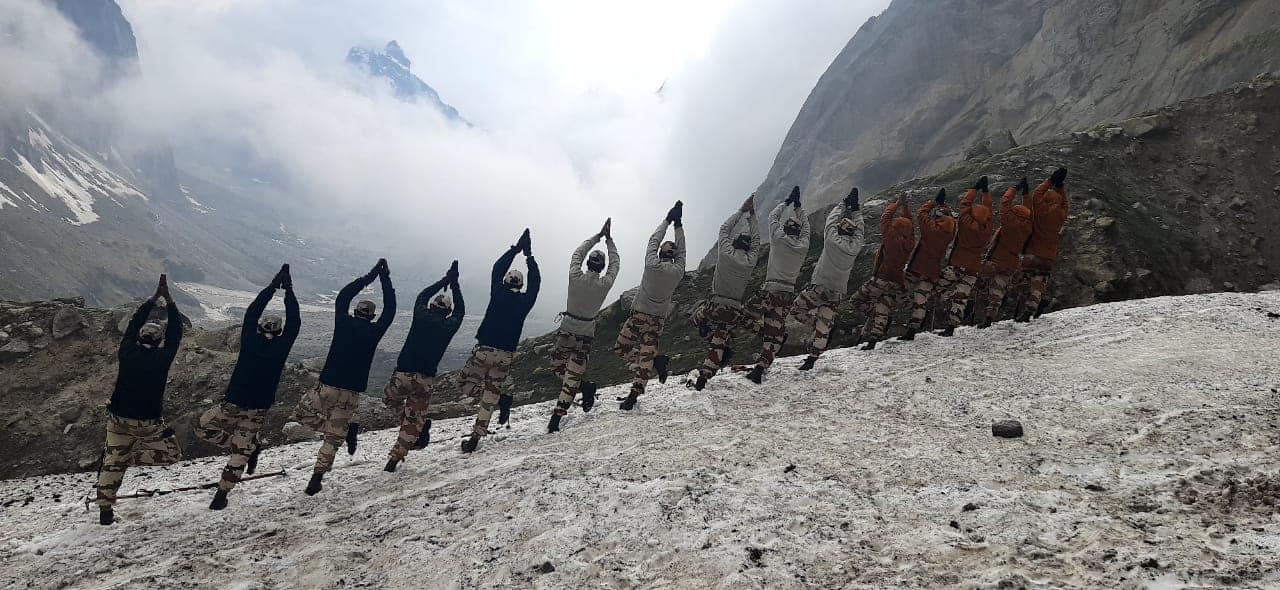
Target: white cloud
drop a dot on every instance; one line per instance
(569, 127)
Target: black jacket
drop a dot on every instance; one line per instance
(257, 373)
(431, 331)
(504, 318)
(355, 340)
(139, 390)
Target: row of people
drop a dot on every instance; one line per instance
(944, 264)
(137, 435)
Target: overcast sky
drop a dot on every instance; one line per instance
(569, 125)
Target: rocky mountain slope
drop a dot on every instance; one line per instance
(1150, 460)
(1178, 200)
(929, 82)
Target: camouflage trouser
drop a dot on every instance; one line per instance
(1036, 271)
(327, 410)
(569, 363)
(921, 291)
(232, 427)
(816, 306)
(133, 442)
(409, 396)
(723, 318)
(769, 310)
(881, 297)
(483, 376)
(638, 344)
(997, 286)
(956, 289)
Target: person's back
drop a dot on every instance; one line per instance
(432, 330)
(1049, 206)
(508, 308)
(1015, 227)
(937, 229)
(897, 239)
(839, 250)
(973, 232)
(661, 275)
(261, 361)
(356, 337)
(144, 367)
(736, 255)
(787, 249)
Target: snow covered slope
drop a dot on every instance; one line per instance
(1150, 460)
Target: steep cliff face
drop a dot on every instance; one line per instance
(930, 81)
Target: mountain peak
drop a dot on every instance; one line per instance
(396, 54)
(392, 65)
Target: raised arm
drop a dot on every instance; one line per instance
(535, 279)
(139, 318)
(254, 311)
(292, 315)
(575, 261)
(614, 260)
(725, 243)
(859, 230)
(806, 228)
(833, 221)
(651, 258)
(680, 251)
(424, 296)
(459, 306)
(966, 204)
(501, 267)
(775, 221)
(342, 305)
(754, 228)
(923, 213)
(173, 331)
(388, 302)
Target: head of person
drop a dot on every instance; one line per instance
(667, 251)
(270, 326)
(792, 228)
(942, 210)
(514, 280)
(846, 227)
(151, 335)
(366, 309)
(595, 261)
(440, 304)
(1022, 212)
(742, 242)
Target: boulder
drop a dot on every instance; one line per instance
(1105, 222)
(71, 414)
(1139, 126)
(66, 321)
(14, 349)
(295, 433)
(1006, 429)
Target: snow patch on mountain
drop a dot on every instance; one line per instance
(69, 174)
(1151, 459)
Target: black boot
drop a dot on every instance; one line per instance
(554, 424)
(757, 374)
(469, 445)
(353, 431)
(726, 357)
(504, 408)
(313, 486)
(808, 363)
(588, 391)
(219, 500)
(1023, 318)
(870, 345)
(947, 332)
(391, 465)
(660, 365)
(910, 334)
(424, 438)
(105, 515)
(986, 323)
(630, 402)
(252, 465)
(700, 383)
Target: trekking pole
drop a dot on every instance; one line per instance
(144, 493)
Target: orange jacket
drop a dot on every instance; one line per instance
(897, 238)
(1015, 226)
(936, 233)
(974, 232)
(1048, 215)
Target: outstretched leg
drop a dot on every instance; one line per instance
(496, 365)
(243, 442)
(577, 351)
